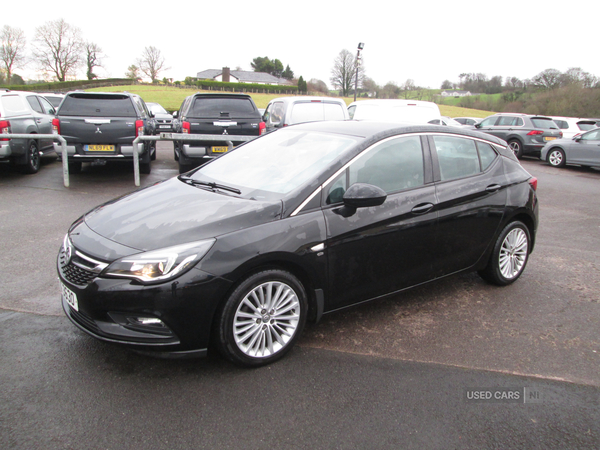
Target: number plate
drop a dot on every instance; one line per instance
(549, 138)
(99, 148)
(164, 126)
(220, 149)
(70, 297)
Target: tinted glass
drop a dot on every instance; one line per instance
(54, 100)
(13, 104)
(47, 106)
(457, 157)
(562, 124)
(509, 121)
(97, 105)
(486, 155)
(393, 166)
(543, 123)
(223, 107)
(156, 108)
(35, 105)
(277, 163)
(585, 126)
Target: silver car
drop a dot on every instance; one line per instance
(583, 150)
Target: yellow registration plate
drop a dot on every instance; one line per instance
(220, 149)
(99, 148)
(549, 138)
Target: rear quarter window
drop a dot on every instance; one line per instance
(13, 105)
(97, 106)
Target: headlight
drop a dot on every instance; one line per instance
(160, 265)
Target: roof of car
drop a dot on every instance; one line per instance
(303, 98)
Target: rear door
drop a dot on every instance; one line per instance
(586, 150)
(379, 250)
(471, 194)
(43, 113)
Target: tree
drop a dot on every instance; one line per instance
(133, 72)
(271, 66)
(302, 85)
(12, 50)
(446, 84)
(93, 53)
(58, 47)
(151, 63)
(390, 90)
(577, 75)
(370, 87)
(344, 72)
(408, 87)
(316, 85)
(288, 74)
(548, 79)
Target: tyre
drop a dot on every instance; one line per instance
(153, 153)
(509, 256)
(556, 157)
(262, 318)
(516, 147)
(32, 158)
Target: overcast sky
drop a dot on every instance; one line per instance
(427, 41)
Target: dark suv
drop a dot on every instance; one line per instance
(526, 134)
(228, 115)
(25, 113)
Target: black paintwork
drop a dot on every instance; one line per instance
(343, 253)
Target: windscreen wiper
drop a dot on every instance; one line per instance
(209, 184)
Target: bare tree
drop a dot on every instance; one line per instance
(58, 48)
(133, 72)
(344, 71)
(152, 63)
(316, 85)
(548, 79)
(93, 55)
(12, 50)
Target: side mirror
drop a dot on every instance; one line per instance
(175, 114)
(363, 195)
(478, 125)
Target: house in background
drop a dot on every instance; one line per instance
(227, 75)
(456, 94)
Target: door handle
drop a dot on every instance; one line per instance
(493, 188)
(422, 208)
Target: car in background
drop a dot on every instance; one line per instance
(582, 150)
(162, 118)
(284, 111)
(468, 120)
(25, 113)
(222, 115)
(526, 134)
(395, 111)
(570, 126)
(446, 121)
(313, 218)
(53, 98)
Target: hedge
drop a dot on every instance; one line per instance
(219, 85)
(70, 85)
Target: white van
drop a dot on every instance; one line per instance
(401, 111)
(285, 111)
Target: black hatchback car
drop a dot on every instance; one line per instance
(295, 224)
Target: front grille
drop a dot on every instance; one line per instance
(77, 268)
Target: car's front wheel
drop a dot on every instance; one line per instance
(556, 157)
(262, 318)
(509, 256)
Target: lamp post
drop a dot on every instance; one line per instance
(361, 45)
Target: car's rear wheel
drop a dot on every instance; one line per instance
(556, 157)
(32, 158)
(516, 147)
(509, 256)
(262, 318)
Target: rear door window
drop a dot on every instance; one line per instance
(35, 105)
(457, 157)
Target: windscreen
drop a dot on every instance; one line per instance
(277, 163)
(216, 107)
(97, 105)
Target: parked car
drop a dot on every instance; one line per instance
(446, 121)
(101, 126)
(295, 224)
(228, 115)
(583, 150)
(285, 111)
(570, 126)
(25, 113)
(53, 98)
(164, 120)
(394, 111)
(525, 134)
(468, 120)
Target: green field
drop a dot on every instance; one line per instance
(170, 98)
